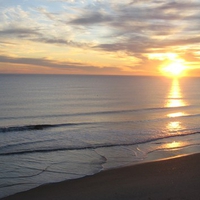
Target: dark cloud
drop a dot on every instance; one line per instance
(125, 14)
(68, 66)
(143, 14)
(134, 47)
(19, 32)
(134, 23)
(91, 19)
(39, 61)
(61, 41)
(181, 5)
(35, 35)
(131, 44)
(140, 45)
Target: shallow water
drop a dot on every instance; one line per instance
(54, 128)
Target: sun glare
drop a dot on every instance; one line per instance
(174, 69)
(174, 66)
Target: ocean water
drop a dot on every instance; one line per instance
(60, 127)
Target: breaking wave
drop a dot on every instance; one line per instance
(37, 127)
(97, 146)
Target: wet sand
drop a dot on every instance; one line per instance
(172, 179)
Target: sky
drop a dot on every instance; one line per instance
(115, 37)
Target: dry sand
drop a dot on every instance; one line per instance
(173, 179)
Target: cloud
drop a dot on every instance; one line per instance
(71, 67)
(19, 32)
(129, 47)
(60, 41)
(135, 27)
(189, 56)
(180, 5)
(181, 42)
(133, 23)
(51, 16)
(92, 18)
(38, 61)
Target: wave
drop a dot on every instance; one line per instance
(37, 127)
(93, 147)
(48, 126)
(107, 112)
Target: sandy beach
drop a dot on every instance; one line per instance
(172, 179)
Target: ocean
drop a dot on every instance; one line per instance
(59, 127)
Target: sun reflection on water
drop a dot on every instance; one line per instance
(175, 99)
(176, 114)
(175, 96)
(173, 145)
(174, 126)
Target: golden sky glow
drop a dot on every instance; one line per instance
(100, 37)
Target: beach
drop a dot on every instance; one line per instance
(172, 179)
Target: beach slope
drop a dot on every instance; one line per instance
(172, 179)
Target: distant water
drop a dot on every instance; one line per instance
(54, 128)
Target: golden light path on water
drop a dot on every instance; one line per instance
(175, 96)
(174, 99)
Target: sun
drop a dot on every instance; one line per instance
(174, 69)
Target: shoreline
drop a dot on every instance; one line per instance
(168, 179)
